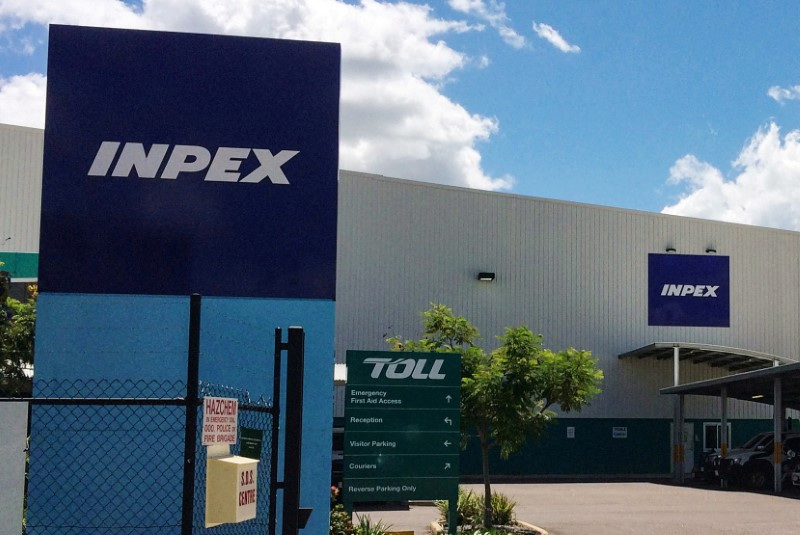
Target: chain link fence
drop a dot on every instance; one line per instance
(109, 459)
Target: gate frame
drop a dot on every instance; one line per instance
(295, 349)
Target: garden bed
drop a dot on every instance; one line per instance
(520, 528)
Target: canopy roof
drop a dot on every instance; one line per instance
(755, 386)
(731, 358)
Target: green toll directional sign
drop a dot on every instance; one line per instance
(403, 466)
(410, 420)
(401, 396)
(399, 489)
(401, 434)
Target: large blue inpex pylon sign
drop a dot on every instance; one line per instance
(179, 163)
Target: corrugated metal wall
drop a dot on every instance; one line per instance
(20, 188)
(575, 273)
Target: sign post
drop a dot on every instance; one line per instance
(402, 427)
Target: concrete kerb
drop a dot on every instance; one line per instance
(437, 529)
(409, 517)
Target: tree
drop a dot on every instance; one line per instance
(507, 394)
(17, 329)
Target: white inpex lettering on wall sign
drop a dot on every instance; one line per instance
(405, 368)
(691, 290)
(223, 167)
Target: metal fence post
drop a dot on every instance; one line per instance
(276, 403)
(294, 431)
(190, 436)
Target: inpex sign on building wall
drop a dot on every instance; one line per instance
(688, 290)
(146, 167)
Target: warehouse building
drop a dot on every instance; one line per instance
(20, 202)
(629, 286)
(636, 289)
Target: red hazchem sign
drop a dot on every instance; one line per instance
(220, 419)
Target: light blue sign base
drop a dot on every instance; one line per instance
(83, 337)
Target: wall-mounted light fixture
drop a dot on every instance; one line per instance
(711, 250)
(486, 276)
(670, 249)
(757, 396)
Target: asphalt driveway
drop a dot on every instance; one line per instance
(630, 508)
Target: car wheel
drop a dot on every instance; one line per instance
(756, 477)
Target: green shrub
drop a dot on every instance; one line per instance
(470, 509)
(339, 520)
(340, 523)
(366, 527)
(502, 510)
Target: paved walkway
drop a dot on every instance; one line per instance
(630, 508)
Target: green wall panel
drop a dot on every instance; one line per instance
(742, 430)
(646, 450)
(593, 451)
(21, 265)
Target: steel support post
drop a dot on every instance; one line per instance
(724, 439)
(677, 441)
(723, 432)
(777, 427)
(677, 425)
(676, 365)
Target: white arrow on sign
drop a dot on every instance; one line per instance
(447, 466)
(447, 443)
(448, 398)
(448, 421)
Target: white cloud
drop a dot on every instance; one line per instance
(439, 148)
(493, 13)
(111, 13)
(765, 190)
(394, 120)
(782, 94)
(551, 35)
(22, 100)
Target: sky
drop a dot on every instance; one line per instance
(687, 108)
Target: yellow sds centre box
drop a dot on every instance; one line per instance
(231, 489)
